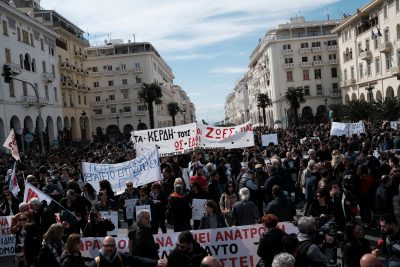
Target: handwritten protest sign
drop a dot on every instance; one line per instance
(143, 207)
(225, 137)
(233, 246)
(347, 129)
(130, 207)
(169, 140)
(198, 208)
(142, 170)
(113, 217)
(7, 240)
(269, 138)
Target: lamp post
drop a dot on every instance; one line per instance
(326, 110)
(183, 112)
(369, 88)
(83, 126)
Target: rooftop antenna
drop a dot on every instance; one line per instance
(134, 37)
(327, 13)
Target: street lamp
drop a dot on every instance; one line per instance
(326, 110)
(183, 112)
(369, 88)
(83, 125)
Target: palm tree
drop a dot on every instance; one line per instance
(263, 101)
(356, 110)
(149, 93)
(295, 96)
(388, 109)
(173, 109)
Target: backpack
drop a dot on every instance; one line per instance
(302, 260)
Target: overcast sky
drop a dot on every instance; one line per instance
(206, 42)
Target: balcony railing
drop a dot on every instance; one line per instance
(305, 64)
(305, 50)
(318, 63)
(333, 47)
(385, 47)
(333, 61)
(140, 113)
(127, 114)
(112, 102)
(99, 116)
(287, 51)
(317, 49)
(98, 103)
(288, 65)
(97, 89)
(48, 77)
(366, 55)
(107, 72)
(135, 70)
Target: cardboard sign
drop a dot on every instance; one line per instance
(130, 207)
(198, 208)
(269, 138)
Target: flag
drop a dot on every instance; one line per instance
(373, 35)
(11, 143)
(31, 192)
(379, 33)
(13, 185)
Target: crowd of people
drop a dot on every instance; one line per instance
(351, 183)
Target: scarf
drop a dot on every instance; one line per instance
(53, 249)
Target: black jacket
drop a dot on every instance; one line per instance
(282, 207)
(352, 252)
(69, 260)
(205, 221)
(13, 207)
(44, 217)
(383, 200)
(143, 244)
(99, 229)
(46, 256)
(214, 190)
(177, 258)
(270, 245)
(127, 260)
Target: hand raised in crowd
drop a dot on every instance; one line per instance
(162, 263)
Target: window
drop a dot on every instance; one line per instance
(289, 76)
(319, 89)
(317, 74)
(124, 81)
(11, 88)
(94, 69)
(345, 74)
(288, 60)
(113, 110)
(126, 109)
(335, 88)
(376, 43)
(306, 90)
(304, 59)
(5, 27)
(31, 38)
(369, 68)
(141, 108)
(122, 67)
(79, 99)
(97, 98)
(359, 46)
(304, 45)
(111, 97)
(366, 44)
(385, 11)
(287, 47)
(138, 79)
(388, 60)
(398, 58)
(334, 72)
(44, 67)
(108, 67)
(377, 65)
(352, 72)
(386, 35)
(111, 83)
(71, 100)
(25, 37)
(125, 95)
(19, 33)
(84, 100)
(95, 84)
(46, 92)
(98, 111)
(361, 70)
(331, 42)
(41, 44)
(24, 89)
(137, 65)
(7, 52)
(332, 56)
(316, 44)
(317, 58)
(55, 95)
(306, 75)
(397, 5)
(53, 69)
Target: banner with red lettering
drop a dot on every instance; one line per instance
(7, 240)
(233, 246)
(169, 140)
(225, 137)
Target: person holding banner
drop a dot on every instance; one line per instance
(212, 218)
(106, 204)
(97, 226)
(187, 253)
(130, 193)
(43, 215)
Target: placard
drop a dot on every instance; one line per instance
(198, 208)
(113, 217)
(269, 138)
(130, 208)
(7, 240)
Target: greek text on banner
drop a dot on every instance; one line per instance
(142, 170)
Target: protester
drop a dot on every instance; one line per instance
(105, 203)
(210, 261)
(71, 256)
(356, 245)
(228, 199)
(10, 204)
(212, 218)
(283, 260)
(43, 215)
(90, 194)
(179, 209)
(281, 206)
(52, 246)
(369, 260)
(97, 226)
(244, 212)
(214, 191)
(391, 238)
(196, 192)
(159, 206)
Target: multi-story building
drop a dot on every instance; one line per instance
(30, 103)
(116, 73)
(370, 52)
(70, 54)
(187, 110)
(237, 103)
(296, 54)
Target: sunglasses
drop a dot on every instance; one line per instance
(109, 245)
(129, 186)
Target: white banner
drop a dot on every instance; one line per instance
(347, 129)
(225, 137)
(7, 240)
(142, 170)
(269, 138)
(394, 124)
(31, 192)
(113, 217)
(11, 143)
(233, 246)
(170, 140)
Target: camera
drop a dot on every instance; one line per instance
(329, 228)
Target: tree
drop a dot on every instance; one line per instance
(356, 110)
(173, 109)
(263, 101)
(149, 93)
(295, 96)
(388, 109)
(337, 110)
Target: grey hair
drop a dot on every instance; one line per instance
(244, 193)
(35, 201)
(311, 164)
(179, 189)
(281, 259)
(305, 224)
(141, 214)
(23, 206)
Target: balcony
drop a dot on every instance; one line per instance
(366, 55)
(136, 70)
(336, 94)
(140, 113)
(124, 87)
(127, 114)
(333, 47)
(94, 73)
(48, 77)
(99, 116)
(107, 72)
(113, 115)
(305, 50)
(287, 51)
(305, 64)
(111, 102)
(395, 70)
(385, 47)
(127, 101)
(97, 89)
(122, 72)
(32, 100)
(318, 63)
(15, 68)
(333, 61)
(98, 103)
(317, 49)
(109, 88)
(347, 82)
(288, 65)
